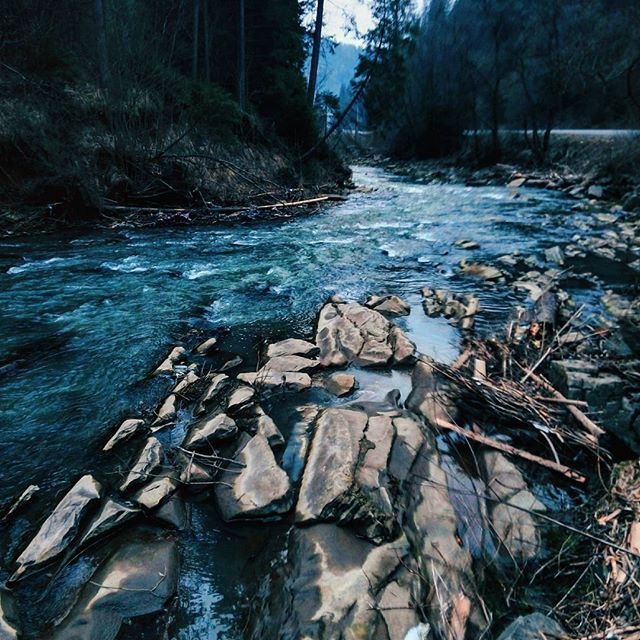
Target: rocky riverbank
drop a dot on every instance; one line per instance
(428, 516)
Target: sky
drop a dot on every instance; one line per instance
(339, 15)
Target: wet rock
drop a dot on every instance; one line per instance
(155, 492)
(277, 381)
(8, 615)
(147, 464)
(406, 445)
(207, 346)
(281, 364)
(61, 527)
(111, 515)
(139, 579)
(516, 183)
(295, 455)
(192, 473)
(241, 397)
(332, 461)
(532, 627)
(397, 607)
(515, 530)
(554, 254)
(183, 387)
(337, 384)
(20, 501)
(231, 364)
(404, 350)
(431, 527)
(215, 388)
(430, 396)
(338, 339)
(175, 355)
(166, 413)
(331, 580)
(391, 305)
(261, 489)
(292, 347)
(479, 270)
(595, 191)
(127, 430)
(257, 421)
(459, 307)
(173, 513)
(210, 431)
(468, 245)
(389, 405)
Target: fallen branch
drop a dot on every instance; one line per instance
(580, 417)
(507, 448)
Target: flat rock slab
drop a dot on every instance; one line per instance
(139, 579)
(61, 527)
(337, 384)
(175, 355)
(391, 305)
(292, 347)
(112, 514)
(211, 431)
(155, 493)
(277, 381)
(127, 430)
(352, 333)
(207, 346)
(332, 461)
(261, 489)
(289, 363)
(148, 462)
(241, 397)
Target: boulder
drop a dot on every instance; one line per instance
(331, 464)
(166, 413)
(337, 384)
(468, 245)
(215, 388)
(111, 515)
(241, 397)
(184, 385)
(554, 254)
(175, 355)
(516, 183)
(155, 492)
(210, 431)
(595, 191)
(256, 487)
(535, 626)
(276, 381)
(515, 530)
(61, 527)
(19, 502)
(289, 363)
(404, 350)
(8, 615)
(354, 333)
(329, 585)
(173, 513)
(207, 346)
(479, 270)
(292, 347)
(139, 579)
(193, 474)
(259, 422)
(430, 396)
(397, 607)
(391, 305)
(148, 463)
(127, 430)
(236, 361)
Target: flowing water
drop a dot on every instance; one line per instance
(84, 318)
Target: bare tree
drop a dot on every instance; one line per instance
(315, 52)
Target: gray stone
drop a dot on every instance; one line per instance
(404, 350)
(175, 355)
(241, 397)
(332, 462)
(207, 346)
(261, 489)
(155, 492)
(61, 527)
(127, 430)
(236, 361)
(535, 626)
(173, 513)
(148, 463)
(292, 347)
(211, 430)
(595, 191)
(277, 381)
(215, 387)
(111, 515)
(20, 501)
(261, 423)
(479, 270)
(337, 384)
(554, 254)
(8, 615)
(166, 413)
(468, 245)
(397, 608)
(139, 579)
(391, 305)
(186, 383)
(279, 364)
(295, 455)
(515, 530)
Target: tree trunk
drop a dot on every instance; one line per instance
(315, 53)
(196, 29)
(207, 53)
(103, 54)
(241, 56)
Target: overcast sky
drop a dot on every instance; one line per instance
(340, 15)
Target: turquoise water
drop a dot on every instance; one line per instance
(85, 318)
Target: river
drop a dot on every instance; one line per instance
(85, 317)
